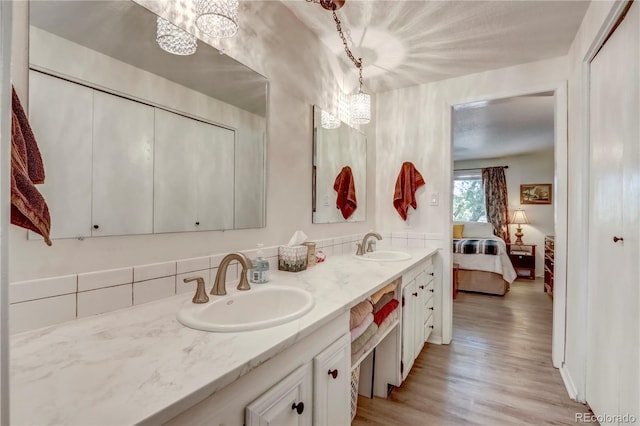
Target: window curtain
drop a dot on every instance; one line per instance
(496, 200)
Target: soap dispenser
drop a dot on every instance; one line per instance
(260, 272)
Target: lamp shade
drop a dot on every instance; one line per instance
(519, 217)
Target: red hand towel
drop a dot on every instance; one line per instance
(28, 208)
(386, 310)
(346, 189)
(409, 180)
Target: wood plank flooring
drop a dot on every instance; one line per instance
(496, 371)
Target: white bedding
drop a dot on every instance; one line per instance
(500, 263)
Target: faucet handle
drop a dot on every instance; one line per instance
(201, 292)
(360, 249)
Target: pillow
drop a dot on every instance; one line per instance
(457, 231)
(478, 230)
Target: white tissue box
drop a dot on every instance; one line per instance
(292, 259)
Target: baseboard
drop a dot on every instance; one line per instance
(568, 383)
(436, 340)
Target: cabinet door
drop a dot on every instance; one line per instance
(280, 405)
(420, 314)
(214, 148)
(122, 166)
(408, 327)
(332, 384)
(60, 114)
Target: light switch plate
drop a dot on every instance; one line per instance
(434, 198)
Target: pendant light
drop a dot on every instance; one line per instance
(217, 18)
(173, 39)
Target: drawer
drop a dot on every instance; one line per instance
(429, 273)
(428, 304)
(523, 261)
(428, 291)
(428, 327)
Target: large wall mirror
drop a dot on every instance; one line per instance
(339, 170)
(136, 140)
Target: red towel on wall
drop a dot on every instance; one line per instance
(28, 208)
(386, 310)
(409, 180)
(346, 189)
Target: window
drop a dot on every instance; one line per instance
(468, 197)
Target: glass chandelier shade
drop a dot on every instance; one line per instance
(360, 108)
(175, 40)
(329, 121)
(217, 18)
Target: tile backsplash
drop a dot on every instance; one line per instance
(42, 302)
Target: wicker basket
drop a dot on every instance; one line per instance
(355, 382)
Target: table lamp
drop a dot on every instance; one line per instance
(519, 218)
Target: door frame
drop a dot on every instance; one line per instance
(560, 208)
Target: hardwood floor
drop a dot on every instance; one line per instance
(496, 371)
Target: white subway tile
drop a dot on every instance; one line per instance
(399, 243)
(415, 235)
(104, 300)
(270, 251)
(182, 287)
(100, 279)
(214, 261)
(402, 234)
(153, 271)
(22, 291)
(328, 250)
(337, 249)
(415, 243)
(193, 264)
(148, 291)
(41, 313)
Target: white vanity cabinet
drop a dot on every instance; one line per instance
(417, 299)
(331, 384)
(194, 165)
(287, 403)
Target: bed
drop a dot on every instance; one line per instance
(484, 264)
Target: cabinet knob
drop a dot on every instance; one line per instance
(299, 407)
(616, 239)
(96, 226)
(421, 287)
(431, 290)
(431, 326)
(431, 308)
(334, 373)
(431, 273)
(415, 294)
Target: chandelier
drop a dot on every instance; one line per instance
(360, 102)
(173, 39)
(217, 18)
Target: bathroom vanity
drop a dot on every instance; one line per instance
(140, 365)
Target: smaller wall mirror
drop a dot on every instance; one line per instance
(339, 170)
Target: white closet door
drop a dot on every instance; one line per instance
(176, 171)
(612, 358)
(60, 114)
(122, 166)
(216, 181)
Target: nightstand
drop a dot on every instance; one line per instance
(523, 258)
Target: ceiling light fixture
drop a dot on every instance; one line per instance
(173, 39)
(217, 18)
(360, 102)
(329, 121)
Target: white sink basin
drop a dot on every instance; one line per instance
(260, 307)
(384, 256)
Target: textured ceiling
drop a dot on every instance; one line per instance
(504, 127)
(404, 43)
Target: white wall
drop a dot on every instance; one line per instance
(530, 168)
(591, 30)
(414, 124)
(301, 72)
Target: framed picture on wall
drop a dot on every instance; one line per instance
(536, 193)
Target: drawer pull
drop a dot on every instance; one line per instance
(431, 290)
(415, 294)
(299, 407)
(431, 273)
(431, 327)
(616, 239)
(96, 226)
(431, 308)
(334, 373)
(421, 287)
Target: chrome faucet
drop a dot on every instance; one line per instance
(201, 292)
(363, 244)
(219, 285)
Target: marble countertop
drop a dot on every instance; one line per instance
(141, 365)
